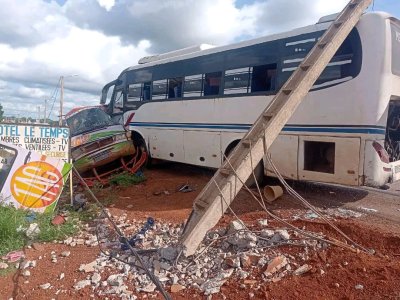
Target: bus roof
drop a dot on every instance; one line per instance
(322, 24)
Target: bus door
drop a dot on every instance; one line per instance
(112, 98)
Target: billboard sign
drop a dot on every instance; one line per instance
(29, 179)
(47, 140)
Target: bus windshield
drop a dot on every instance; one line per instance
(7, 157)
(88, 120)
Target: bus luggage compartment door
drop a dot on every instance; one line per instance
(202, 148)
(284, 152)
(167, 144)
(329, 159)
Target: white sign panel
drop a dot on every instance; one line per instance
(47, 140)
(29, 179)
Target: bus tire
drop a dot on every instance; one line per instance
(140, 145)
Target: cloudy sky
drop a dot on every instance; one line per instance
(41, 40)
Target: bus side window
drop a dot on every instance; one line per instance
(193, 86)
(237, 81)
(212, 82)
(119, 101)
(159, 90)
(263, 78)
(175, 87)
(134, 92)
(146, 95)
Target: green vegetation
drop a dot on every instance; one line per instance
(126, 179)
(14, 222)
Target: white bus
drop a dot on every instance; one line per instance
(194, 106)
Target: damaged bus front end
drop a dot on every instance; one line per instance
(99, 146)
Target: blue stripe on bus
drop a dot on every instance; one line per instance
(289, 128)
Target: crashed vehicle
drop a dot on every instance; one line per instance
(99, 146)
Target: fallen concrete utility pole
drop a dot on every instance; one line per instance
(218, 194)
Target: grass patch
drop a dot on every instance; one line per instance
(10, 220)
(14, 222)
(126, 179)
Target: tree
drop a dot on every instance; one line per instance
(1, 113)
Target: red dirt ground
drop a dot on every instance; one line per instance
(379, 274)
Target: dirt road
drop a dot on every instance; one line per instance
(335, 274)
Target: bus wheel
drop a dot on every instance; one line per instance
(140, 146)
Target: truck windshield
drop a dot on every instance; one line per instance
(88, 120)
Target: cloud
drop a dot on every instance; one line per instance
(106, 4)
(97, 39)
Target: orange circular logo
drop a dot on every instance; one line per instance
(36, 184)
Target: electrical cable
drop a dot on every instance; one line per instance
(295, 195)
(124, 240)
(334, 242)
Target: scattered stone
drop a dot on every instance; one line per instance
(255, 259)
(61, 277)
(148, 288)
(175, 288)
(213, 285)
(244, 240)
(243, 274)
(336, 285)
(45, 286)
(33, 231)
(156, 266)
(245, 261)
(65, 253)
(130, 206)
(3, 266)
(25, 264)
(367, 209)
(263, 222)
(275, 265)
(26, 273)
(80, 241)
(88, 268)
(68, 241)
(251, 295)
(267, 233)
(359, 287)
(115, 280)
(233, 262)
(322, 256)
(96, 278)
(169, 253)
(250, 282)
(284, 234)
(302, 270)
(82, 284)
(236, 226)
(165, 266)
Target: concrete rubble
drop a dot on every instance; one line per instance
(231, 253)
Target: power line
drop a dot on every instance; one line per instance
(54, 97)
